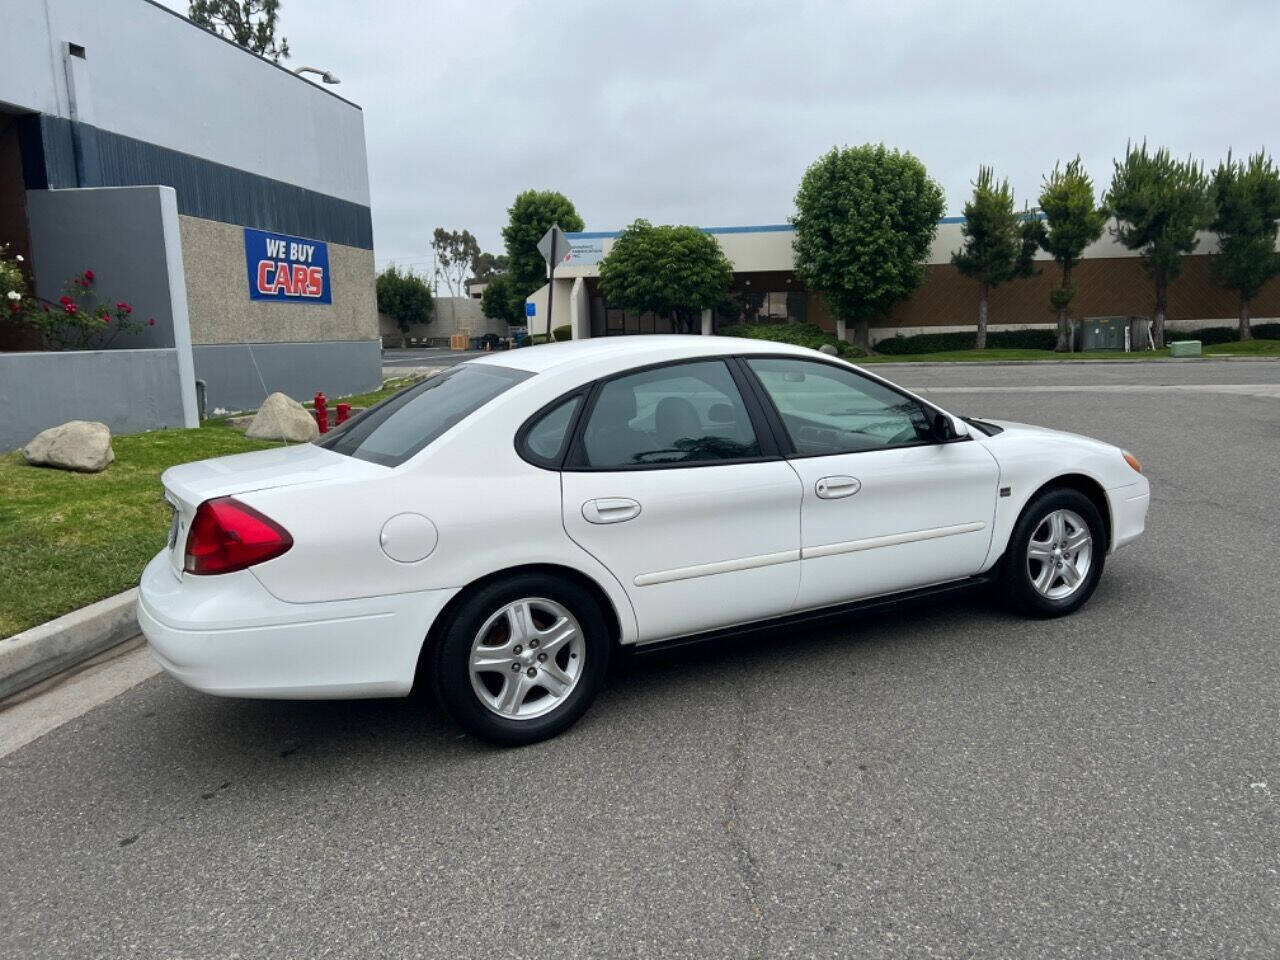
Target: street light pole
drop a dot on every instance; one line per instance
(324, 75)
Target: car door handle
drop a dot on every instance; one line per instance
(833, 488)
(610, 510)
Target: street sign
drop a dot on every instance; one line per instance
(554, 246)
(530, 308)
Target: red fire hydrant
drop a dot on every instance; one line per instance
(322, 412)
(344, 411)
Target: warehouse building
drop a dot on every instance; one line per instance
(214, 190)
(1110, 281)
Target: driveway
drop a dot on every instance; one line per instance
(945, 781)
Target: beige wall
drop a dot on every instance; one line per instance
(218, 293)
(451, 315)
(560, 305)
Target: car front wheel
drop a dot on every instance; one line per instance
(1055, 554)
(521, 659)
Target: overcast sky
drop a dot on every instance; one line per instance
(708, 113)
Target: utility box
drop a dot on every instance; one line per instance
(1184, 348)
(1103, 333)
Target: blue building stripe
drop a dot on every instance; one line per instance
(59, 153)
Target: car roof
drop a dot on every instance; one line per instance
(641, 348)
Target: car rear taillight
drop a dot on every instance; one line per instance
(227, 535)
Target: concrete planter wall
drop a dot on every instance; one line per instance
(129, 390)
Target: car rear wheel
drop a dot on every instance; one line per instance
(1055, 554)
(521, 659)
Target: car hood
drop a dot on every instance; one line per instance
(193, 483)
(1012, 429)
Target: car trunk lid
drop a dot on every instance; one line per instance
(188, 485)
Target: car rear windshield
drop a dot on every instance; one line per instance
(395, 429)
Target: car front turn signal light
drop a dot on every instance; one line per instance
(1131, 460)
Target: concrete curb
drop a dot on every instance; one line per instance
(31, 656)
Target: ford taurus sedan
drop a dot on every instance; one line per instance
(501, 529)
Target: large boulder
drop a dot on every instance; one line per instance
(83, 445)
(283, 418)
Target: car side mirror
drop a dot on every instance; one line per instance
(944, 430)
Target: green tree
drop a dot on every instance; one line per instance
(500, 302)
(487, 266)
(455, 253)
(674, 272)
(250, 23)
(531, 216)
(999, 244)
(1159, 204)
(1246, 200)
(405, 297)
(1073, 219)
(865, 219)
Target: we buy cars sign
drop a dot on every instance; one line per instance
(281, 267)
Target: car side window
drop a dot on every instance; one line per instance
(678, 414)
(828, 410)
(545, 439)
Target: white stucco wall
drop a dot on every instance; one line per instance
(154, 76)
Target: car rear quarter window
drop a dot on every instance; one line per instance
(545, 438)
(395, 429)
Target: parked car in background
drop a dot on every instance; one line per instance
(501, 529)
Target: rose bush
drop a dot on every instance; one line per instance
(77, 321)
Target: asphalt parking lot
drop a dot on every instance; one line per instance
(946, 781)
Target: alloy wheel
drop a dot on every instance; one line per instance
(1059, 554)
(527, 658)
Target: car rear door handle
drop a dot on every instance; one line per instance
(610, 510)
(833, 488)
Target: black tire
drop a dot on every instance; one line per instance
(451, 659)
(1016, 579)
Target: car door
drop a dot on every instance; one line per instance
(674, 483)
(885, 506)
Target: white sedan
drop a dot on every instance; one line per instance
(500, 529)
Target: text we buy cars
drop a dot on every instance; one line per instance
(286, 268)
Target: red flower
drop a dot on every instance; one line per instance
(124, 307)
(65, 300)
(106, 319)
(70, 308)
(88, 276)
(13, 305)
(151, 322)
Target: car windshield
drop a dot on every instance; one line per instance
(395, 429)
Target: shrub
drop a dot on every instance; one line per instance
(1212, 335)
(78, 321)
(945, 342)
(404, 296)
(801, 334)
(564, 332)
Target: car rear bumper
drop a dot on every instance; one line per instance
(228, 635)
(1128, 512)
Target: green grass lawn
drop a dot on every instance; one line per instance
(366, 400)
(69, 539)
(1260, 348)
(1249, 348)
